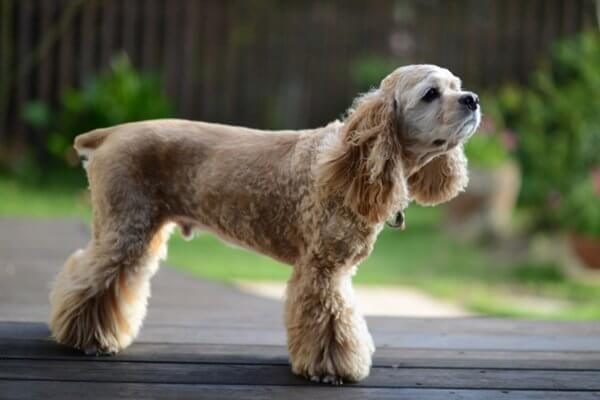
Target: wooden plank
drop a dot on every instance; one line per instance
(45, 66)
(189, 62)
(488, 326)
(215, 328)
(435, 337)
(511, 39)
(471, 37)
(66, 72)
(568, 17)
(23, 330)
(278, 355)
(214, 331)
(231, 90)
(23, 85)
(7, 66)
(269, 32)
(129, 23)
(87, 44)
(108, 32)
(172, 50)
(265, 374)
(548, 16)
(492, 41)
(530, 47)
(210, 59)
(587, 15)
(468, 358)
(552, 19)
(150, 43)
(26, 390)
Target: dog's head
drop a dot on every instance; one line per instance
(432, 112)
(419, 113)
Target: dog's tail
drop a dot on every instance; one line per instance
(86, 143)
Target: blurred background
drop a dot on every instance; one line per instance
(523, 240)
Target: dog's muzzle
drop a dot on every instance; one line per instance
(397, 222)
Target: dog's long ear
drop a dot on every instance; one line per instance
(362, 162)
(440, 180)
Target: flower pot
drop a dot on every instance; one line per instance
(587, 249)
(486, 206)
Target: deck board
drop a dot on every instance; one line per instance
(207, 340)
(25, 390)
(268, 374)
(45, 349)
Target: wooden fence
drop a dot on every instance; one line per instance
(268, 63)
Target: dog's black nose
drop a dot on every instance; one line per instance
(471, 101)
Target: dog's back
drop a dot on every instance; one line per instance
(210, 134)
(229, 180)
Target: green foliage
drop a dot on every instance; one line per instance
(580, 211)
(117, 96)
(538, 274)
(58, 195)
(37, 114)
(367, 72)
(558, 120)
(487, 149)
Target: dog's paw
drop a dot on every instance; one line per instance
(339, 362)
(93, 350)
(328, 379)
(334, 371)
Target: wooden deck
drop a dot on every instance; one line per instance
(204, 340)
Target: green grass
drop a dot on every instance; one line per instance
(208, 257)
(397, 254)
(54, 197)
(425, 256)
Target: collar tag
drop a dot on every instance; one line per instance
(397, 222)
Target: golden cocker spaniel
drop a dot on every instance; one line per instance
(314, 199)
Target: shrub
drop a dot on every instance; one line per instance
(580, 210)
(490, 147)
(558, 121)
(367, 72)
(117, 96)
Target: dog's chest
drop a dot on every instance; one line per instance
(343, 240)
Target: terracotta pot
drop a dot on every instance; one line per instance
(488, 203)
(587, 249)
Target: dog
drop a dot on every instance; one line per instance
(314, 199)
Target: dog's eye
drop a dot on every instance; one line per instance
(431, 95)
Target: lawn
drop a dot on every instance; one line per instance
(426, 256)
(53, 198)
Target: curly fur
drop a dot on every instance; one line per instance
(313, 199)
(363, 163)
(440, 180)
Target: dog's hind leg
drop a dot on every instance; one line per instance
(99, 298)
(328, 339)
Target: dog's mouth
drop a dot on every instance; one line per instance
(468, 126)
(458, 134)
(462, 132)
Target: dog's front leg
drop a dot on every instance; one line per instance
(328, 339)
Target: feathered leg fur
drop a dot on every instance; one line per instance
(99, 298)
(328, 339)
